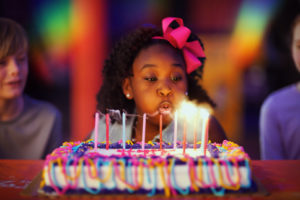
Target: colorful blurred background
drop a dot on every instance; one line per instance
(245, 44)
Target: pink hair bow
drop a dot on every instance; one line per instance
(178, 37)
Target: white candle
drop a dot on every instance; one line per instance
(123, 126)
(96, 130)
(204, 133)
(144, 131)
(175, 130)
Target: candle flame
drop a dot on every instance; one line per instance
(195, 116)
(191, 110)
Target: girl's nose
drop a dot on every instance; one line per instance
(13, 67)
(164, 89)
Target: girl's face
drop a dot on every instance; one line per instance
(296, 45)
(13, 76)
(159, 81)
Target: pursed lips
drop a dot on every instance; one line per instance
(165, 107)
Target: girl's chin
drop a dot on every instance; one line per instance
(12, 95)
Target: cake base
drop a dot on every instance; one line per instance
(33, 190)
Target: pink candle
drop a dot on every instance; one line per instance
(160, 131)
(124, 129)
(107, 130)
(175, 130)
(184, 137)
(144, 131)
(96, 130)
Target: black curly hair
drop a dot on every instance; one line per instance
(118, 66)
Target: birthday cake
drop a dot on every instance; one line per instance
(81, 168)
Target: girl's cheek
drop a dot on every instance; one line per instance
(183, 87)
(296, 57)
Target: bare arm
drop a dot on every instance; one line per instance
(216, 132)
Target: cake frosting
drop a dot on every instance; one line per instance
(78, 168)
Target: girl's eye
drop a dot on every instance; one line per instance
(176, 78)
(22, 59)
(151, 79)
(3, 63)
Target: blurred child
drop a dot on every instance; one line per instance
(29, 129)
(280, 114)
(150, 71)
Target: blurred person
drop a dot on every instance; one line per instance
(280, 113)
(29, 128)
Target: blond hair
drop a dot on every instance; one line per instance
(13, 38)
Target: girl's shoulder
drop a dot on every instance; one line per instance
(216, 131)
(282, 96)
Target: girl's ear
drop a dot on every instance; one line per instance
(127, 89)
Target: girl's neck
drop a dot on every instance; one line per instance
(10, 109)
(151, 131)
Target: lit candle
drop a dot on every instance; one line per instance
(204, 136)
(195, 133)
(160, 131)
(96, 130)
(184, 136)
(144, 131)
(123, 126)
(175, 130)
(107, 130)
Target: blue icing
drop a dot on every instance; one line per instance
(135, 146)
(54, 177)
(249, 174)
(75, 148)
(115, 146)
(174, 184)
(153, 191)
(218, 192)
(129, 176)
(107, 163)
(90, 190)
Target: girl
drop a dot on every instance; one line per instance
(280, 113)
(151, 72)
